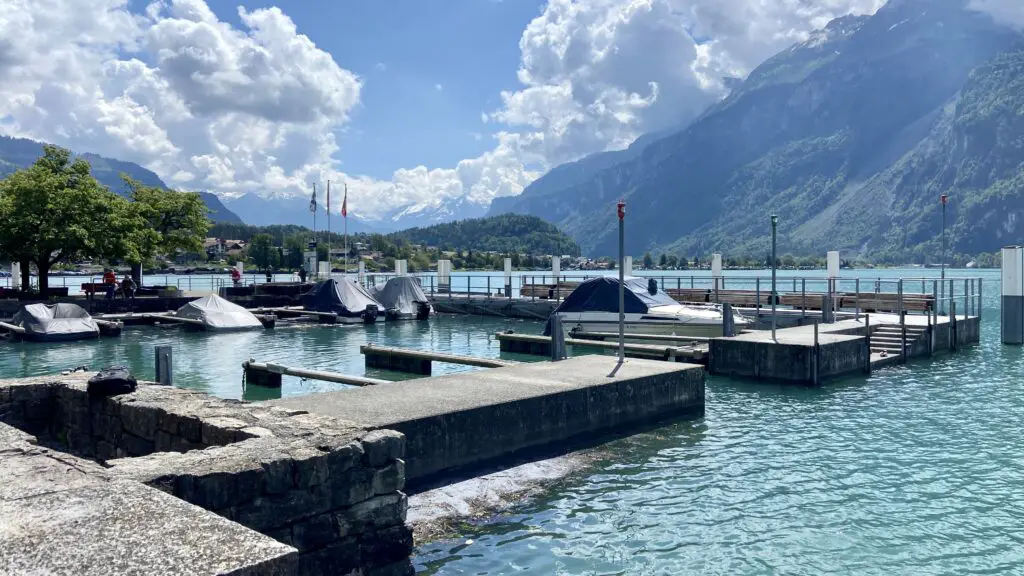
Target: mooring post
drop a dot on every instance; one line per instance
(867, 341)
(757, 298)
(931, 333)
(557, 338)
(952, 326)
(903, 336)
(728, 321)
(621, 209)
(856, 295)
(775, 224)
(803, 297)
(815, 378)
(164, 370)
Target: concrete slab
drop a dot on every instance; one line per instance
(60, 515)
(468, 419)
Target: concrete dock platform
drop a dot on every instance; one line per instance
(474, 419)
(65, 516)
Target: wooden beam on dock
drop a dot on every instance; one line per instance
(420, 361)
(269, 374)
(541, 346)
(323, 317)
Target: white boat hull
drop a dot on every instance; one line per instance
(677, 323)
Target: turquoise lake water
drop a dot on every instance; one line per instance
(916, 469)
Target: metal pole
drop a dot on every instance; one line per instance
(622, 280)
(775, 222)
(942, 263)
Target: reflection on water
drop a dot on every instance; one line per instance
(212, 362)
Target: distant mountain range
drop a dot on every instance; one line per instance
(850, 137)
(17, 153)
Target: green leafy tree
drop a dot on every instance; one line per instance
(261, 251)
(55, 211)
(176, 221)
(663, 260)
(648, 261)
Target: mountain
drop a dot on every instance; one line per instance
(508, 233)
(267, 211)
(17, 153)
(849, 137)
(289, 210)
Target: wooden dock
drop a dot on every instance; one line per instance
(541, 346)
(420, 362)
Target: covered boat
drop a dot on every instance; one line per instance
(350, 301)
(594, 307)
(403, 299)
(217, 314)
(56, 322)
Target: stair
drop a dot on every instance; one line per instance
(887, 338)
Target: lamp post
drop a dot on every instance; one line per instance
(775, 224)
(621, 208)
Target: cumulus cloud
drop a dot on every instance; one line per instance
(208, 105)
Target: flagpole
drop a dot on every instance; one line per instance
(345, 209)
(330, 267)
(313, 210)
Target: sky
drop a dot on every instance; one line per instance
(409, 103)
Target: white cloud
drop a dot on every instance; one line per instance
(1008, 11)
(254, 108)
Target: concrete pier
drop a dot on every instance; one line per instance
(191, 484)
(420, 361)
(469, 420)
(1012, 320)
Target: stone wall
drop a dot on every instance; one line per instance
(324, 486)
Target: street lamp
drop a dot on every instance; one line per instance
(621, 212)
(775, 224)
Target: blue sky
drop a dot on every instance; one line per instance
(403, 49)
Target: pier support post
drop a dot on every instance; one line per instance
(557, 339)
(716, 273)
(903, 336)
(867, 342)
(952, 325)
(1012, 295)
(267, 378)
(816, 358)
(164, 370)
(728, 321)
(508, 277)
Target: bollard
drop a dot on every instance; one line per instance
(557, 338)
(164, 370)
(728, 321)
(903, 336)
(867, 341)
(815, 376)
(952, 326)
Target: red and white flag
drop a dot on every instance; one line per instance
(344, 203)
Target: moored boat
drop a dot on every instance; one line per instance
(594, 307)
(215, 314)
(403, 299)
(350, 301)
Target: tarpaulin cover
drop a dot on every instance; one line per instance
(602, 295)
(345, 298)
(56, 322)
(401, 293)
(217, 313)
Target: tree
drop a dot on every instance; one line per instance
(663, 260)
(648, 261)
(261, 249)
(683, 264)
(55, 211)
(179, 220)
(673, 262)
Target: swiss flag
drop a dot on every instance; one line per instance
(344, 203)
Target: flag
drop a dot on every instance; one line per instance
(312, 201)
(344, 203)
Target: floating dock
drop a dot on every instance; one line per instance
(473, 419)
(538, 345)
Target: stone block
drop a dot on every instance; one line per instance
(390, 478)
(383, 446)
(111, 430)
(378, 512)
(163, 441)
(191, 429)
(316, 532)
(282, 535)
(5, 395)
(342, 457)
(256, 432)
(220, 431)
(136, 446)
(270, 512)
(139, 420)
(105, 451)
(351, 486)
(179, 444)
(167, 422)
(385, 547)
(210, 491)
(277, 475)
(341, 558)
(310, 467)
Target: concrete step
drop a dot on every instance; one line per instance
(897, 329)
(887, 340)
(890, 351)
